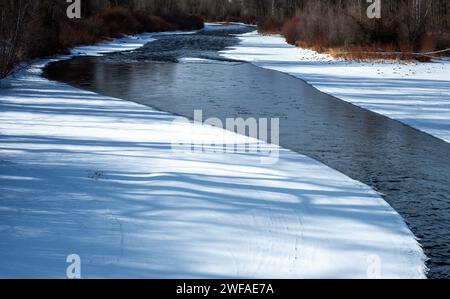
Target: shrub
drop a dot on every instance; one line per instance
(184, 22)
(118, 20)
(270, 26)
(291, 30)
(42, 40)
(342, 31)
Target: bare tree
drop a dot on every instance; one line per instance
(13, 15)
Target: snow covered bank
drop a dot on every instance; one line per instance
(417, 94)
(82, 173)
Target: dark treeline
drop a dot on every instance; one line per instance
(30, 28)
(405, 25)
(340, 25)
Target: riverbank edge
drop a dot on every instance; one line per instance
(401, 91)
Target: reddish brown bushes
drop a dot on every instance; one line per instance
(117, 20)
(344, 31)
(269, 26)
(42, 40)
(291, 30)
(46, 29)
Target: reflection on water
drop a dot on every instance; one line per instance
(409, 167)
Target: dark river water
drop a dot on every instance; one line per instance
(410, 168)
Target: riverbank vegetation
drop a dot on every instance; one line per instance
(407, 28)
(30, 29)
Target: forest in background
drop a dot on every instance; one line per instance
(343, 28)
(30, 28)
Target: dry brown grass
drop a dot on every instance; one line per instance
(376, 52)
(298, 31)
(341, 32)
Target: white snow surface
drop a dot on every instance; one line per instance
(417, 94)
(86, 174)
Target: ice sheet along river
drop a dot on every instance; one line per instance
(409, 167)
